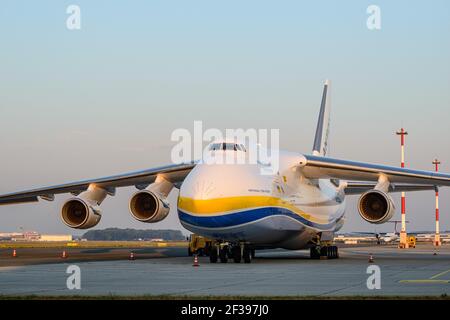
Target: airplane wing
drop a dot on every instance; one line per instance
(359, 187)
(316, 167)
(141, 179)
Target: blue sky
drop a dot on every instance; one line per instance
(105, 99)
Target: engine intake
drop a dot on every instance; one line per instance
(78, 214)
(145, 206)
(376, 207)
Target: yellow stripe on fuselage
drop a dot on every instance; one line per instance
(219, 206)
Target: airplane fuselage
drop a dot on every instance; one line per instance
(237, 203)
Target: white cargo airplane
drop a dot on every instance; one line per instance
(242, 210)
(390, 237)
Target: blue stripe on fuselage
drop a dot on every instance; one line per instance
(246, 216)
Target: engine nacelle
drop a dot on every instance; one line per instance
(146, 206)
(77, 213)
(376, 207)
(83, 211)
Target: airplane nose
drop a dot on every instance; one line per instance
(200, 184)
(203, 189)
(207, 182)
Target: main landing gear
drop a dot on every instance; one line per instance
(324, 252)
(237, 252)
(323, 248)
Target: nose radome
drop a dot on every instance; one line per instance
(200, 184)
(214, 181)
(203, 189)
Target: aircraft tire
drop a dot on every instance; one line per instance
(247, 255)
(236, 253)
(314, 253)
(223, 255)
(213, 256)
(332, 252)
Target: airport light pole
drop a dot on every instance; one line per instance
(437, 237)
(403, 243)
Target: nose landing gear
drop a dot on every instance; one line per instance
(219, 251)
(235, 251)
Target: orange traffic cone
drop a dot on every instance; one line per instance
(131, 256)
(196, 264)
(371, 258)
(64, 254)
(14, 254)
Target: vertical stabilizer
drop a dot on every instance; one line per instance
(320, 147)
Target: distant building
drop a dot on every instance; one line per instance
(33, 236)
(9, 236)
(18, 236)
(55, 237)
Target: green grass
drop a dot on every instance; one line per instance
(90, 244)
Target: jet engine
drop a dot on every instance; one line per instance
(150, 205)
(78, 214)
(376, 207)
(83, 211)
(146, 206)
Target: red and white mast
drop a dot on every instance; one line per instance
(437, 237)
(403, 241)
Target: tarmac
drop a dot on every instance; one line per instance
(170, 272)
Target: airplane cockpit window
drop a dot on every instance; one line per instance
(227, 146)
(215, 146)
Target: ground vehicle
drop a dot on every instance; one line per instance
(412, 241)
(199, 245)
